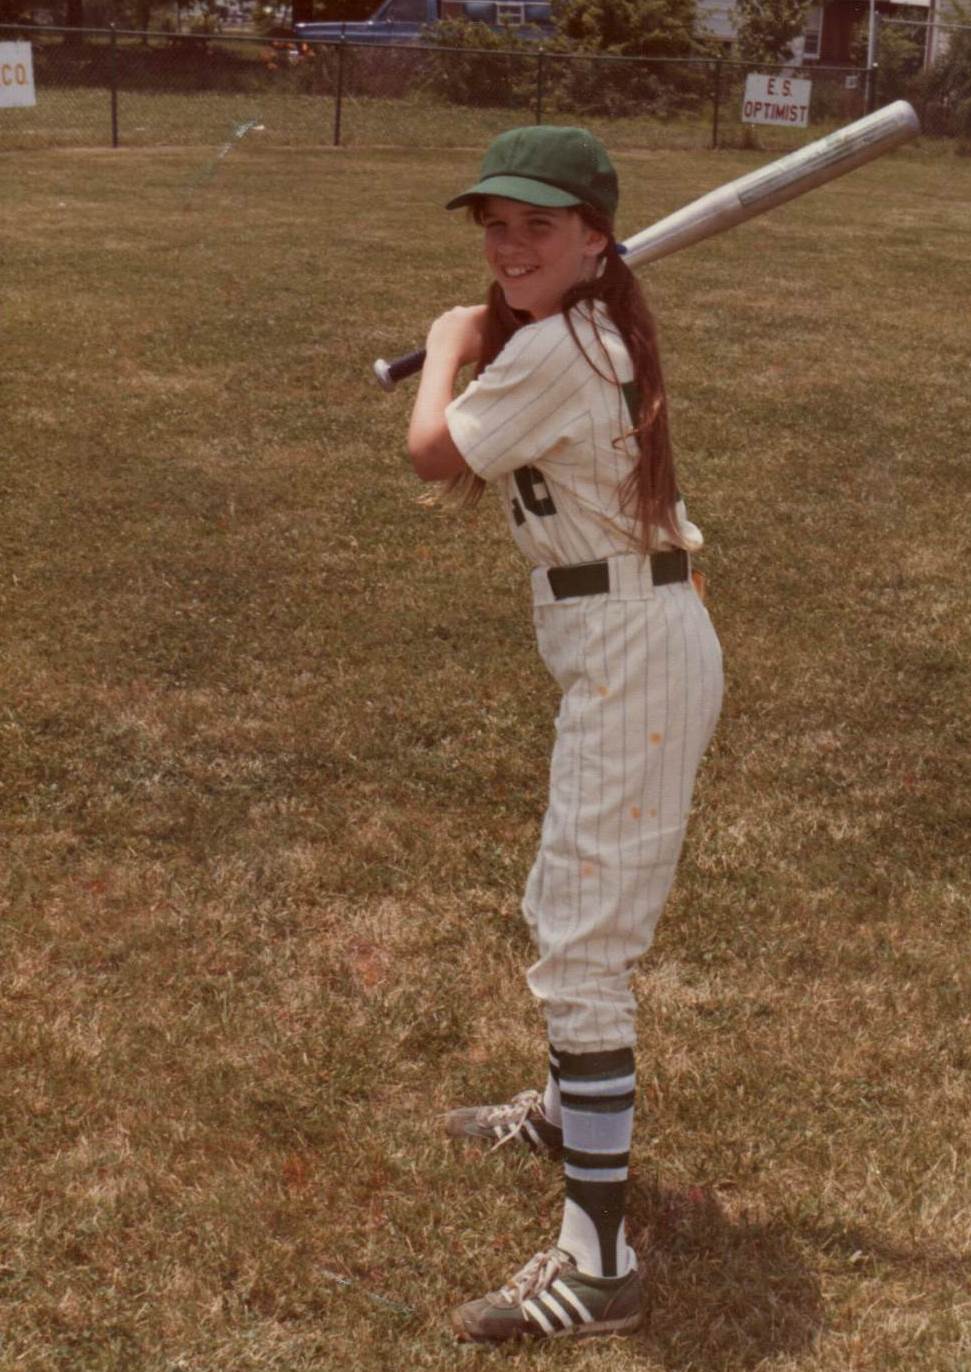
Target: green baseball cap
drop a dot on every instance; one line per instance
(546, 164)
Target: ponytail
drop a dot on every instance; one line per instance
(650, 493)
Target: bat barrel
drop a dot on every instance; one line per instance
(750, 195)
(829, 157)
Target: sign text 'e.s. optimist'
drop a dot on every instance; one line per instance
(776, 100)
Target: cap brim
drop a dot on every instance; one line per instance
(516, 188)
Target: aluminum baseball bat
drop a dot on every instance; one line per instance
(742, 199)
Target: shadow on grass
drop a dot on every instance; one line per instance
(868, 1250)
(727, 1292)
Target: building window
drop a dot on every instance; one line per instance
(813, 34)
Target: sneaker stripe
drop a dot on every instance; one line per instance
(532, 1312)
(561, 1289)
(528, 1129)
(567, 1321)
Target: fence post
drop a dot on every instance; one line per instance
(873, 70)
(717, 102)
(339, 94)
(539, 86)
(113, 69)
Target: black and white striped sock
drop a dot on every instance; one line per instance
(597, 1098)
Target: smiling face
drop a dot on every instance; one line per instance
(537, 254)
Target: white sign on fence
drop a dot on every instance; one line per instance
(16, 75)
(776, 100)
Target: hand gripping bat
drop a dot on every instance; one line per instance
(742, 199)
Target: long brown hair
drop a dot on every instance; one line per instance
(649, 494)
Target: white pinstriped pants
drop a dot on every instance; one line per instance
(641, 674)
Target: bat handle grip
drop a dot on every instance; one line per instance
(390, 373)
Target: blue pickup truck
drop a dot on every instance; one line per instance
(402, 21)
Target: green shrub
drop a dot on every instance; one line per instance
(661, 29)
(626, 89)
(944, 93)
(484, 67)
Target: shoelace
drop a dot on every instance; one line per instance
(515, 1114)
(541, 1270)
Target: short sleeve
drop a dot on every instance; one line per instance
(523, 404)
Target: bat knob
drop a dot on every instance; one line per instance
(390, 373)
(383, 373)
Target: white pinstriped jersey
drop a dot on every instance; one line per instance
(548, 431)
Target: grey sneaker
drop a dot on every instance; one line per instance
(550, 1299)
(521, 1119)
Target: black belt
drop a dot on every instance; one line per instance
(593, 578)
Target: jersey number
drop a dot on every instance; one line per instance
(534, 495)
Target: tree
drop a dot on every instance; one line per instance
(766, 28)
(658, 32)
(629, 28)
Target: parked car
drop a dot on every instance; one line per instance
(402, 21)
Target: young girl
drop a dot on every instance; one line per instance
(567, 419)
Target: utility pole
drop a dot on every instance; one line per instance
(871, 56)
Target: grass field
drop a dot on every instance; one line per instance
(274, 740)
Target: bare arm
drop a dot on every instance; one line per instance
(453, 340)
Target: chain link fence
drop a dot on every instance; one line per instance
(928, 62)
(118, 88)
